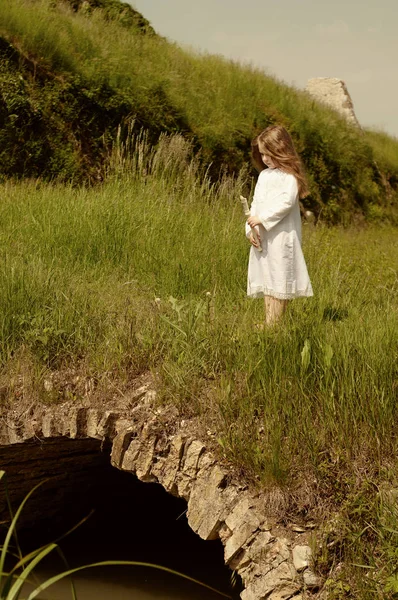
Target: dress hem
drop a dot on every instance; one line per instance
(260, 293)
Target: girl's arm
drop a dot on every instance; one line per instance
(273, 205)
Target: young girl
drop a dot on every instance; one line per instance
(277, 269)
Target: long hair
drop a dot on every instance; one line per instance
(276, 142)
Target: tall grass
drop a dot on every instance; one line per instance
(217, 103)
(81, 270)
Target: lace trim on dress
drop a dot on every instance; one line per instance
(260, 292)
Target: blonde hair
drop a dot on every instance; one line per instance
(276, 142)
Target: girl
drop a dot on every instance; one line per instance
(277, 268)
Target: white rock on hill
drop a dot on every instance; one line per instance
(333, 92)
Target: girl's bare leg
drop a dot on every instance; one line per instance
(274, 309)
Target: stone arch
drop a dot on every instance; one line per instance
(143, 443)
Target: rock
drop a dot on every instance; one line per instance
(93, 419)
(119, 446)
(167, 472)
(48, 385)
(281, 579)
(208, 505)
(301, 557)
(77, 422)
(187, 475)
(285, 594)
(106, 426)
(311, 580)
(333, 92)
(298, 528)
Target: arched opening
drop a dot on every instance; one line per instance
(130, 520)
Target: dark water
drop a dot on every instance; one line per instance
(131, 521)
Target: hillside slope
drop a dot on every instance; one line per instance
(72, 72)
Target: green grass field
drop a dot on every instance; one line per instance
(148, 271)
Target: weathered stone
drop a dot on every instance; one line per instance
(138, 393)
(281, 578)
(49, 426)
(159, 468)
(301, 557)
(150, 397)
(122, 425)
(171, 464)
(193, 452)
(207, 504)
(243, 521)
(29, 430)
(298, 529)
(254, 558)
(77, 422)
(144, 460)
(4, 441)
(284, 593)
(106, 426)
(189, 469)
(119, 446)
(333, 92)
(311, 580)
(15, 432)
(93, 419)
(131, 455)
(206, 460)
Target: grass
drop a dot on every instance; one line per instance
(163, 86)
(148, 271)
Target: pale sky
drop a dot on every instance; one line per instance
(294, 40)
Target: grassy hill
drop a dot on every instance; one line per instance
(72, 72)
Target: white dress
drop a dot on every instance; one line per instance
(279, 270)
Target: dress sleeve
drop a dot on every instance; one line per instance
(253, 208)
(278, 202)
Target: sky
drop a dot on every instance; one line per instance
(295, 40)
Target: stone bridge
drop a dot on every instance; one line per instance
(147, 442)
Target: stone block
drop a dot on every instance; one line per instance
(130, 456)
(301, 557)
(119, 446)
(285, 593)
(93, 419)
(209, 503)
(253, 560)
(106, 426)
(240, 535)
(171, 465)
(49, 426)
(144, 460)
(311, 580)
(77, 422)
(283, 578)
(15, 432)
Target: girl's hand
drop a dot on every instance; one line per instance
(253, 221)
(254, 241)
